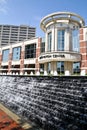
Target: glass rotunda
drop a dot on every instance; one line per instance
(61, 42)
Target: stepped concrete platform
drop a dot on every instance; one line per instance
(10, 121)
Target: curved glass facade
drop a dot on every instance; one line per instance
(62, 41)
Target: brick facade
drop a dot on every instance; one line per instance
(37, 66)
(18, 65)
(22, 61)
(83, 50)
(10, 62)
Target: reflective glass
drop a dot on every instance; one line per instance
(16, 53)
(49, 41)
(5, 55)
(60, 41)
(75, 40)
(60, 67)
(76, 67)
(30, 51)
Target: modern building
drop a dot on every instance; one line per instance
(10, 34)
(62, 42)
(21, 57)
(64, 48)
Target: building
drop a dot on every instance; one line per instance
(62, 44)
(21, 57)
(64, 48)
(10, 34)
(83, 48)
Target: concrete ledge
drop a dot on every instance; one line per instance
(15, 117)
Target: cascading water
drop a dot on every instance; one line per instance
(54, 103)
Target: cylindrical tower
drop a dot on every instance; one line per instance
(61, 41)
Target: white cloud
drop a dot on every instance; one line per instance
(3, 6)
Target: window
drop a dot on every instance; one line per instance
(75, 40)
(42, 47)
(60, 41)
(49, 41)
(76, 67)
(16, 53)
(41, 68)
(49, 67)
(30, 51)
(5, 55)
(60, 67)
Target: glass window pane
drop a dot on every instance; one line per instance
(60, 40)
(30, 51)
(5, 55)
(16, 53)
(76, 67)
(75, 40)
(49, 41)
(60, 67)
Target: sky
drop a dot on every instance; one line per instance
(30, 12)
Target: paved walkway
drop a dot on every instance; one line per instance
(10, 121)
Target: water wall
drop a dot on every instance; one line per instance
(54, 103)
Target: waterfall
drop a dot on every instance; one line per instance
(53, 103)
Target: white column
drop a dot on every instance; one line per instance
(56, 39)
(46, 42)
(66, 47)
(53, 39)
(45, 67)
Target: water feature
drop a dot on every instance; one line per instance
(54, 103)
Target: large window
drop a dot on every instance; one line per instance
(76, 67)
(75, 40)
(30, 51)
(5, 55)
(16, 53)
(49, 41)
(60, 67)
(42, 47)
(60, 40)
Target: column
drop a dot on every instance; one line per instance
(10, 61)
(22, 58)
(68, 66)
(37, 65)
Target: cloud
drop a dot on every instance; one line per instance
(3, 6)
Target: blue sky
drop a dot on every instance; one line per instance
(31, 12)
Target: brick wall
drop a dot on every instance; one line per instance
(10, 62)
(83, 50)
(37, 66)
(22, 61)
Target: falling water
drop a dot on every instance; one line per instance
(54, 103)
